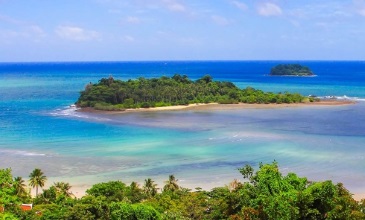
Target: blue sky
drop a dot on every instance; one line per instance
(123, 30)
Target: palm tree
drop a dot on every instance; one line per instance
(63, 188)
(134, 186)
(171, 184)
(37, 178)
(150, 187)
(19, 185)
(135, 192)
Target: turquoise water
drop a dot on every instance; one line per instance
(39, 129)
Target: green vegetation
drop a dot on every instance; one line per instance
(110, 94)
(37, 179)
(290, 70)
(265, 194)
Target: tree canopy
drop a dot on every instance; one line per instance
(112, 94)
(263, 194)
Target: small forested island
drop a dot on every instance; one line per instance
(111, 94)
(290, 70)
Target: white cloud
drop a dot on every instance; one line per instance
(133, 20)
(23, 28)
(269, 9)
(220, 20)
(36, 30)
(28, 33)
(322, 25)
(240, 5)
(359, 6)
(129, 38)
(76, 33)
(173, 5)
(9, 34)
(189, 41)
(11, 20)
(361, 12)
(114, 11)
(295, 23)
(320, 11)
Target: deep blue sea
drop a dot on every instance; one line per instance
(38, 128)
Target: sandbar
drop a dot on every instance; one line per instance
(216, 106)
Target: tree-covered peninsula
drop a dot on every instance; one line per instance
(290, 70)
(112, 94)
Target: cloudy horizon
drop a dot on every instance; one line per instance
(117, 30)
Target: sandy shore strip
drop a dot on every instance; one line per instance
(79, 190)
(216, 106)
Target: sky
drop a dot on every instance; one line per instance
(134, 30)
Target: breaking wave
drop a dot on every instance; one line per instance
(72, 112)
(344, 97)
(21, 153)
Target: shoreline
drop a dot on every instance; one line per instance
(78, 190)
(216, 106)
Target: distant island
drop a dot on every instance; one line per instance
(290, 70)
(116, 95)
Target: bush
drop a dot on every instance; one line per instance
(227, 101)
(162, 104)
(129, 103)
(83, 104)
(145, 105)
(108, 107)
(314, 99)
(145, 212)
(122, 210)
(8, 216)
(183, 102)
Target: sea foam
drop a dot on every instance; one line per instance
(344, 97)
(72, 111)
(21, 153)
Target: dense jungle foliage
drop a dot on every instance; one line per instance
(290, 70)
(265, 194)
(111, 94)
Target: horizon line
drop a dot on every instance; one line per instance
(188, 60)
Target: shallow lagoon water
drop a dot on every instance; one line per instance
(201, 148)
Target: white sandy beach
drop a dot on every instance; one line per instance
(216, 106)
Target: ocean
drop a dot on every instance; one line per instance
(39, 129)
